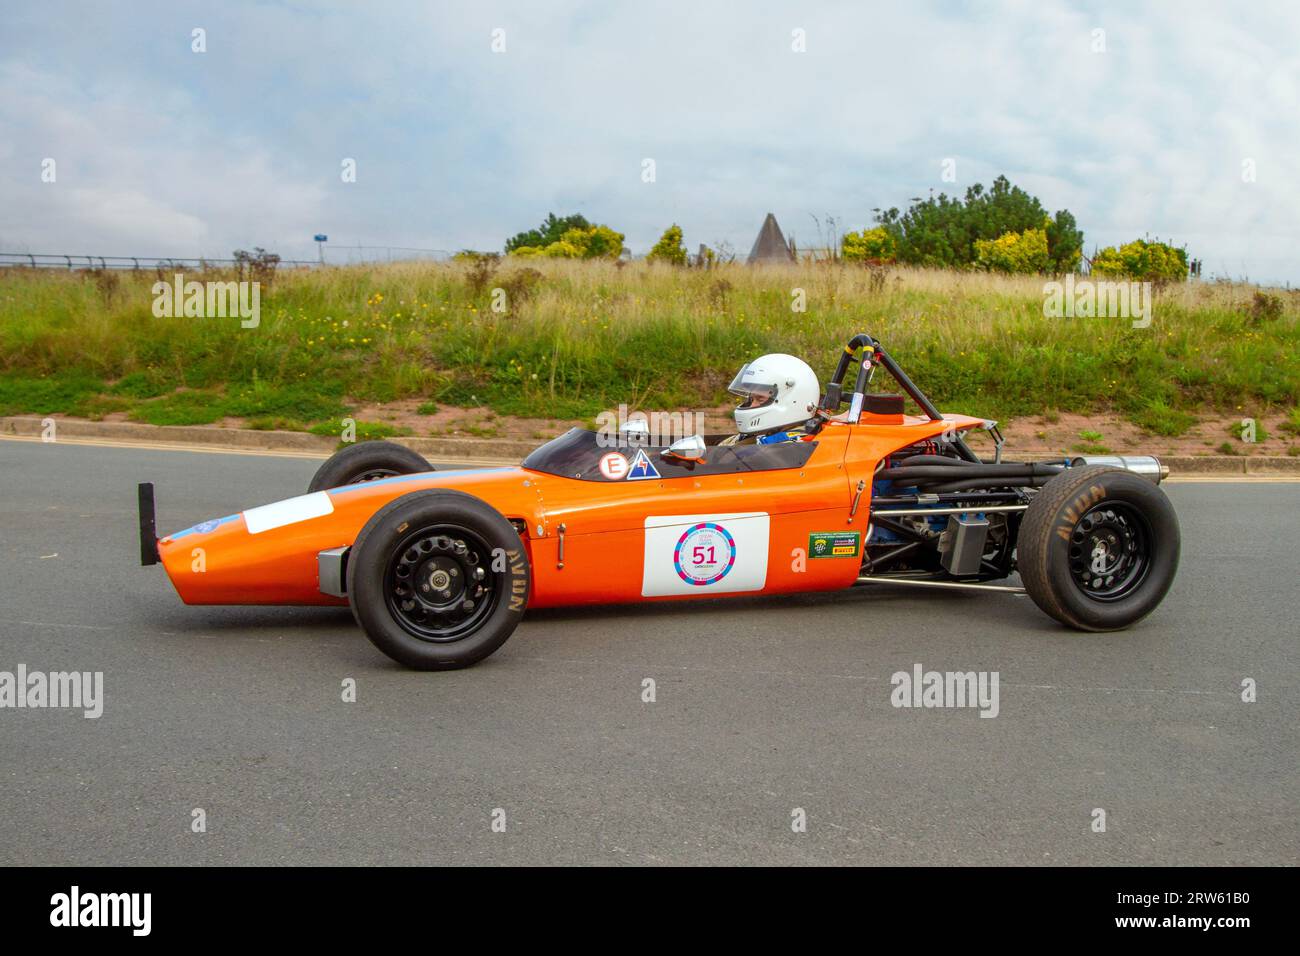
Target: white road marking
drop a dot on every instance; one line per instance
(489, 462)
(83, 627)
(169, 446)
(222, 450)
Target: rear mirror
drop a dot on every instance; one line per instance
(690, 448)
(635, 432)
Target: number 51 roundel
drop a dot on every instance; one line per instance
(702, 554)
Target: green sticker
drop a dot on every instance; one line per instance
(834, 544)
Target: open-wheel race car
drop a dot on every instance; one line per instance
(440, 566)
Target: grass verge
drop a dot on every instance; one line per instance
(580, 337)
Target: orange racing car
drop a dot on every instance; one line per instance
(440, 566)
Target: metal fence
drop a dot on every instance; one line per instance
(340, 255)
(36, 260)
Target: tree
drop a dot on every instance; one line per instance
(942, 231)
(551, 230)
(669, 248)
(578, 239)
(1064, 242)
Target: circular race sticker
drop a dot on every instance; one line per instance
(613, 466)
(704, 554)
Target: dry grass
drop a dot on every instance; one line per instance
(579, 337)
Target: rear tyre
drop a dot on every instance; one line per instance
(1098, 548)
(367, 461)
(438, 579)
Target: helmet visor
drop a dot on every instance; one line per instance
(752, 390)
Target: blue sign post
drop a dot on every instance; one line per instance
(321, 238)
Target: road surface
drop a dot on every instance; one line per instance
(766, 711)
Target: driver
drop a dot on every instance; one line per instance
(780, 395)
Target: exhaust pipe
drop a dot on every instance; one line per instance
(1148, 466)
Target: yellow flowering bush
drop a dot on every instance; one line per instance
(1140, 259)
(869, 245)
(592, 242)
(1014, 252)
(669, 248)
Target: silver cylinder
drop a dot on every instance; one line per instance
(1148, 466)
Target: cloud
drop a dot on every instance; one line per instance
(135, 179)
(179, 153)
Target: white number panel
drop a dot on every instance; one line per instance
(705, 554)
(281, 513)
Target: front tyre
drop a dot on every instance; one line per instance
(438, 579)
(367, 461)
(1098, 548)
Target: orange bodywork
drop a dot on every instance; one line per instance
(269, 555)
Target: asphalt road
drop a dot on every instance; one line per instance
(762, 706)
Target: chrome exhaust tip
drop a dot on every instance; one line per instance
(1148, 466)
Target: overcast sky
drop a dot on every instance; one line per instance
(161, 151)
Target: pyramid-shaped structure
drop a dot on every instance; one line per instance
(770, 246)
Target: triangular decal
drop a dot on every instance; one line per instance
(642, 467)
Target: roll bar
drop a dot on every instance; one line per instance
(873, 354)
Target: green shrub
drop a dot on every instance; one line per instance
(1238, 431)
(1091, 443)
(140, 385)
(942, 231)
(21, 394)
(181, 408)
(259, 399)
(551, 229)
(1157, 417)
(366, 431)
(569, 238)
(275, 424)
(1265, 307)
(669, 248)
(1292, 422)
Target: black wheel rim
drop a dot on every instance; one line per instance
(374, 474)
(1110, 551)
(439, 583)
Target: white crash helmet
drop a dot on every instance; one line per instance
(778, 391)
